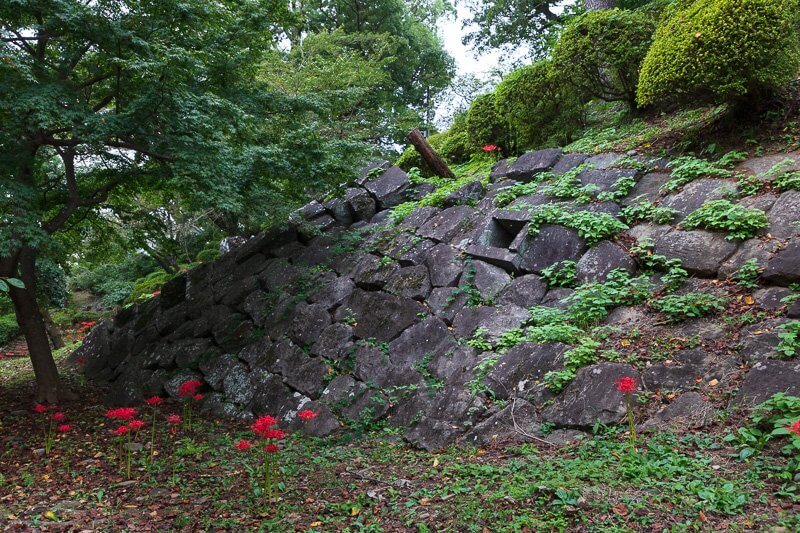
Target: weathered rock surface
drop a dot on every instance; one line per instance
(424, 321)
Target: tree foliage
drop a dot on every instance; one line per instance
(601, 52)
(721, 50)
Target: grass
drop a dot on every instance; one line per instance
(611, 130)
(373, 483)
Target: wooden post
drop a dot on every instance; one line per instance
(429, 155)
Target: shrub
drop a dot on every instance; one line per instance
(594, 227)
(9, 329)
(647, 211)
(561, 274)
(537, 108)
(688, 168)
(737, 221)
(601, 52)
(484, 125)
(207, 255)
(721, 51)
(678, 307)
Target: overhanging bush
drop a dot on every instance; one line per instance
(484, 124)
(538, 108)
(601, 53)
(721, 51)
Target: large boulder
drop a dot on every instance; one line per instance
(784, 267)
(426, 339)
(445, 265)
(552, 244)
(592, 397)
(389, 189)
(521, 368)
(451, 225)
(524, 291)
(696, 193)
(487, 279)
(493, 320)
(784, 216)
(410, 282)
(379, 315)
(701, 252)
(532, 163)
(597, 263)
(766, 379)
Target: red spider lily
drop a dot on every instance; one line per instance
(156, 293)
(58, 417)
(306, 415)
(271, 448)
(135, 425)
(39, 408)
(626, 385)
(64, 428)
(121, 430)
(154, 401)
(489, 148)
(263, 424)
(272, 434)
(174, 420)
(197, 397)
(243, 445)
(121, 413)
(189, 388)
(795, 428)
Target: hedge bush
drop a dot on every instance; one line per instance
(9, 330)
(601, 53)
(538, 108)
(721, 51)
(484, 124)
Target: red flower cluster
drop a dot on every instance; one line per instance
(174, 420)
(58, 417)
(86, 326)
(64, 428)
(121, 413)
(39, 408)
(135, 425)
(795, 428)
(197, 397)
(271, 448)
(156, 293)
(306, 415)
(489, 148)
(154, 401)
(626, 385)
(189, 388)
(243, 445)
(263, 424)
(121, 430)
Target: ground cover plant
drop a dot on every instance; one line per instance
(201, 479)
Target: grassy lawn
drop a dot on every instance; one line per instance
(367, 480)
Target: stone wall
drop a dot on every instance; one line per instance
(367, 319)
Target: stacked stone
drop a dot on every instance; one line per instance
(294, 318)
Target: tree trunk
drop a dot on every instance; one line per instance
(597, 5)
(52, 331)
(429, 155)
(29, 317)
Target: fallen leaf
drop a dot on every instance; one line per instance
(620, 510)
(749, 300)
(435, 462)
(702, 517)
(315, 524)
(50, 515)
(354, 511)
